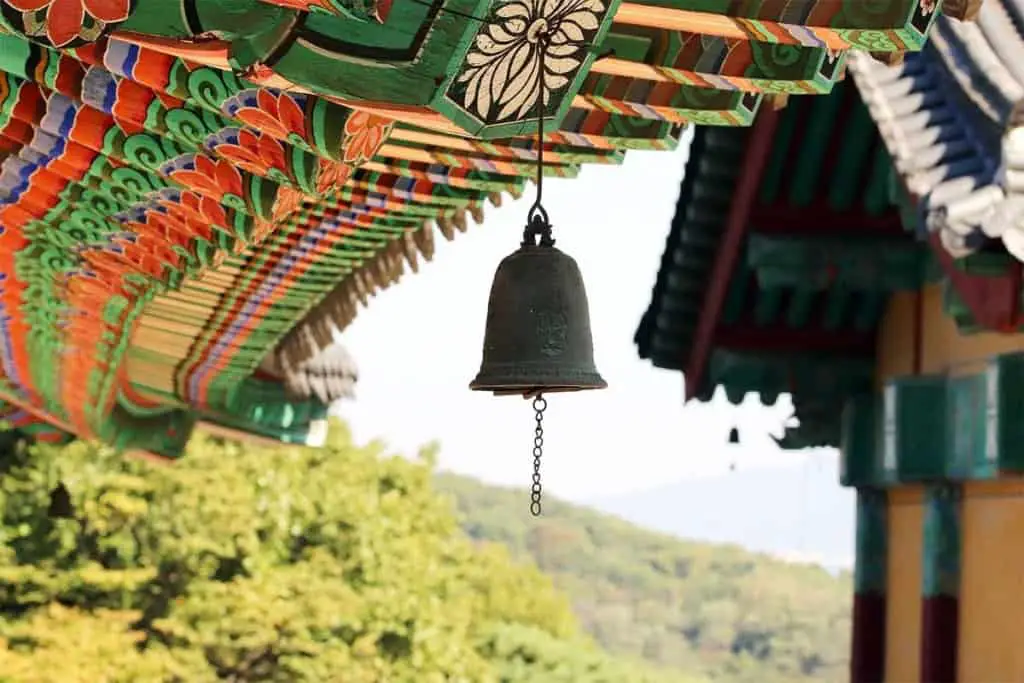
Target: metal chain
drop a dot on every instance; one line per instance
(540, 404)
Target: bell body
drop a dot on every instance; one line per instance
(538, 338)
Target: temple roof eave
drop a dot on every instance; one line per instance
(183, 193)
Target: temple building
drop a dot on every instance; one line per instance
(861, 251)
(198, 196)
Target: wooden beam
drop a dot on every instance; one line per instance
(784, 339)
(820, 220)
(44, 416)
(225, 432)
(759, 146)
(993, 301)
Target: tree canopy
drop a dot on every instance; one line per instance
(241, 563)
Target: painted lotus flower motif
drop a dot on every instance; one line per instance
(502, 71)
(364, 134)
(63, 21)
(256, 153)
(202, 174)
(286, 202)
(277, 114)
(201, 208)
(331, 175)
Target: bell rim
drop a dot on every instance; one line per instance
(590, 382)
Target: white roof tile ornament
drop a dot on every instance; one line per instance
(952, 118)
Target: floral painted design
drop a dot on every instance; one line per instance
(286, 202)
(257, 153)
(273, 113)
(503, 68)
(331, 175)
(64, 21)
(200, 173)
(207, 210)
(364, 134)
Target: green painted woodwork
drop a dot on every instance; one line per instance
(940, 556)
(821, 283)
(828, 383)
(712, 61)
(1003, 418)
(155, 140)
(883, 27)
(860, 464)
(263, 408)
(833, 262)
(965, 426)
(423, 55)
(872, 542)
(439, 55)
(914, 435)
(967, 438)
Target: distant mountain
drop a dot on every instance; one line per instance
(798, 513)
(712, 611)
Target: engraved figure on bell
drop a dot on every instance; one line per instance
(552, 330)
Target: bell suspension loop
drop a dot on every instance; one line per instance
(538, 223)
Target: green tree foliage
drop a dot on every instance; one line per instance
(716, 611)
(280, 565)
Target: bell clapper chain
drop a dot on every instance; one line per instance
(540, 404)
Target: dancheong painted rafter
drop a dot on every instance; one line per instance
(195, 193)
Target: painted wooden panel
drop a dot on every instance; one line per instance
(903, 604)
(992, 582)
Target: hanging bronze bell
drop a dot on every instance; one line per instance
(537, 337)
(734, 436)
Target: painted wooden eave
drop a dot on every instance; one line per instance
(947, 117)
(775, 323)
(759, 146)
(166, 310)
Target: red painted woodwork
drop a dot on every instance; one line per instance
(820, 219)
(794, 340)
(993, 301)
(940, 625)
(758, 150)
(867, 655)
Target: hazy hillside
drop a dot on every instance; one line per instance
(787, 511)
(715, 610)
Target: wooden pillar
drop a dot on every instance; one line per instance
(940, 585)
(867, 657)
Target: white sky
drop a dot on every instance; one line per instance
(419, 343)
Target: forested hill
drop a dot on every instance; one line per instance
(715, 610)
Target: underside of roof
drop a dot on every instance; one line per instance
(189, 187)
(945, 130)
(823, 247)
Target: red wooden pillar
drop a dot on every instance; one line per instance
(867, 656)
(940, 585)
